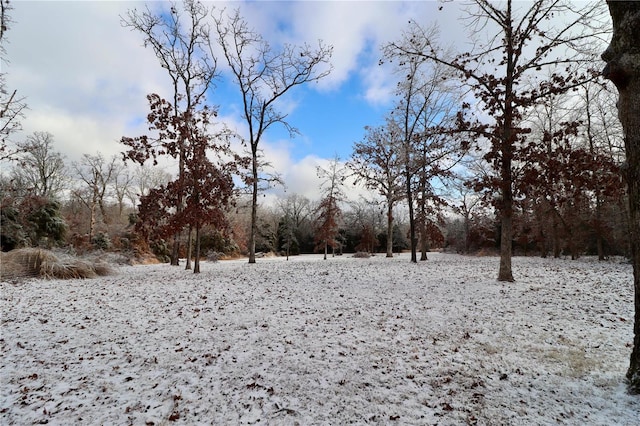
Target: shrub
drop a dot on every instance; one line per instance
(12, 233)
(362, 255)
(161, 250)
(101, 241)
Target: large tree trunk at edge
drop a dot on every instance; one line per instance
(623, 69)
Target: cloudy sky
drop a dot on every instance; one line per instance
(85, 76)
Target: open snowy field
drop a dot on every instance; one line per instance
(313, 342)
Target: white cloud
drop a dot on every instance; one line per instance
(86, 77)
(302, 179)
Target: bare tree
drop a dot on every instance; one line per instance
(466, 205)
(264, 75)
(436, 151)
(361, 222)
(145, 179)
(12, 105)
(623, 69)
(426, 109)
(40, 169)
(122, 184)
(600, 130)
(95, 174)
(503, 72)
(377, 161)
(296, 210)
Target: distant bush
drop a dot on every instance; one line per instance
(214, 256)
(362, 255)
(161, 250)
(101, 241)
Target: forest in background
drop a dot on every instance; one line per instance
(432, 169)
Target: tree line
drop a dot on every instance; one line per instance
(512, 146)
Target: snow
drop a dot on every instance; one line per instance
(308, 341)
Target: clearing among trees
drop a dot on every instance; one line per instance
(309, 341)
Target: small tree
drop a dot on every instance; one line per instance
(205, 188)
(122, 184)
(287, 232)
(296, 229)
(377, 161)
(264, 75)
(95, 174)
(209, 185)
(329, 208)
(467, 203)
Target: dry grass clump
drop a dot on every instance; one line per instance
(39, 263)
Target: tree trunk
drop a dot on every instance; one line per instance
(196, 262)
(623, 68)
(103, 212)
(504, 273)
(412, 221)
(467, 230)
(389, 228)
(542, 243)
(175, 251)
(189, 248)
(556, 237)
(92, 221)
(598, 221)
(424, 242)
(598, 226)
(506, 208)
(288, 239)
(254, 206)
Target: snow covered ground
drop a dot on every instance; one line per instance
(313, 342)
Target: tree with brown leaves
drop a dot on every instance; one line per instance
(264, 75)
(180, 40)
(377, 161)
(205, 189)
(513, 43)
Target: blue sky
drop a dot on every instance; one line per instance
(85, 77)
